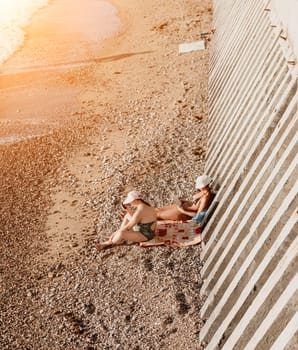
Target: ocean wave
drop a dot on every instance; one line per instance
(14, 17)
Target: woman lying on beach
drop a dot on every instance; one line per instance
(193, 210)
(138, 224)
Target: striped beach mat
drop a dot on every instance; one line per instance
(175, 234)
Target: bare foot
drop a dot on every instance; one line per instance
(101, 246)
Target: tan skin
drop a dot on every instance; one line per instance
(188, 209)
(127, 211)
(142, 213)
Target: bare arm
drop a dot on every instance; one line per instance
(136, 218)
(125, 221)
(193, 204)
(191, 213)
(191, 208)
(204, 202)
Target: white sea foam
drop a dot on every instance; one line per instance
(14, 17)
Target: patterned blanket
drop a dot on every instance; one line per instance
(175, 234)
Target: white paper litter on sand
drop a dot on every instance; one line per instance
(194, 46)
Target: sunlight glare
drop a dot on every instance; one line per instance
(9, 9)
(14, 16)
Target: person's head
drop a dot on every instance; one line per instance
(203, 181)
(132, 198)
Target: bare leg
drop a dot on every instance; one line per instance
(119, 237)
(171, 212)
(109, 242)
(132, 236)
(106, 244)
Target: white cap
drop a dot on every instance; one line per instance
(203, 181)
(131, 196)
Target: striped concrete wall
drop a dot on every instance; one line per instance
(250, 242)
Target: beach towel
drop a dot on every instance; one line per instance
(175, 234)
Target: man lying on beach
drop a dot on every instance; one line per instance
(138, 227)
(190, 210)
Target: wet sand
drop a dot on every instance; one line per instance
(138, 120)
(41, 83)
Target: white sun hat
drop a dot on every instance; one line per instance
(203, 181)
(131, 196)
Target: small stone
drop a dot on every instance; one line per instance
(90, 308)
(51, 274)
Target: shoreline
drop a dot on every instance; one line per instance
(140, 121)
(38, 72)
(12, 22)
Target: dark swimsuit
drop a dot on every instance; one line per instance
(146, 230)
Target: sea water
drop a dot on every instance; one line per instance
(89, 21)
(64, 34)
(14, 17)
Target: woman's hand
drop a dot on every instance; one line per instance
(181, 209)
(186, 212)
(187, 204)
(122, 214)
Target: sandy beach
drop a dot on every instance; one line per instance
(130, 113)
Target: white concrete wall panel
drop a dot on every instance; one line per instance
(287, 17)
(250, 243)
